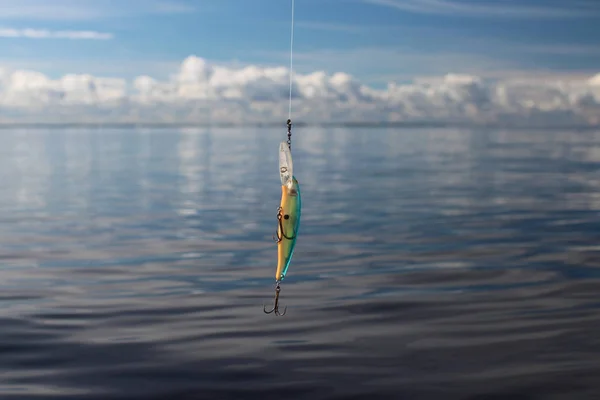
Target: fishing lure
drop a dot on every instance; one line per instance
(288, 218)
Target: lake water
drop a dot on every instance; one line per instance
(430, 264)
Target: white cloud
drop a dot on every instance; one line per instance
(46, 10)
(334, 27)
(171, 7)
(504, 9)
(46, 34)
(200, 91)
(87, 10)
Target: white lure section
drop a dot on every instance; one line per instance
(286, 166)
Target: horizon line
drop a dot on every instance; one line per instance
(346, 124)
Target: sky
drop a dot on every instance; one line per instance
(435, 60)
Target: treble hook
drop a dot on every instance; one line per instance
(280, 224)
(276, 306)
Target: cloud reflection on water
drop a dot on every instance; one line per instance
(427, 257)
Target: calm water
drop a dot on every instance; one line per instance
(431, 264)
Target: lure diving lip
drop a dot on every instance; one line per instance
(288, 218)
(286, 166)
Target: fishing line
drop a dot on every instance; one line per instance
(291, 59)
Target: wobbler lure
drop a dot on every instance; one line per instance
(288, 217)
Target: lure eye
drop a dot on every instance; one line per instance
(286, 216)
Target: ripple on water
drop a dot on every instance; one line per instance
(430, 264)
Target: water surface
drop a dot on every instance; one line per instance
(431, 264)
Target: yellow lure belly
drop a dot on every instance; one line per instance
(288, 217)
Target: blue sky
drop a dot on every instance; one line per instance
(374, 40)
